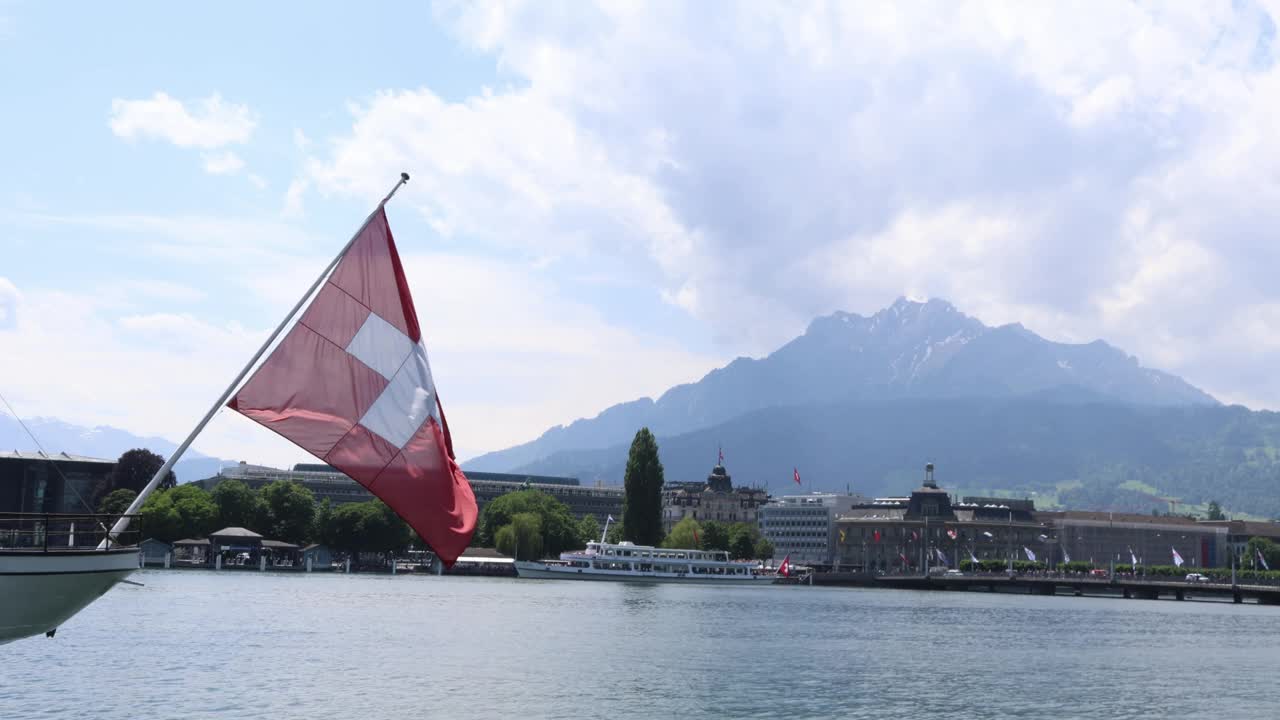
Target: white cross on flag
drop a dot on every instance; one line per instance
(351, 385)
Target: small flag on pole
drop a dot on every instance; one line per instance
(1065, 557)
(915, 535)
(1030, 555)
(696, 541)
(941, 556)
(905, 561)
(785, 568)
(1262, 559)
(1177, 559)
(988, 534)
(875, 535)
(795, 474)
(611, 519)
(721, 455)
(951, 534)
(842, 536)
(1133, 558)
(973, 557)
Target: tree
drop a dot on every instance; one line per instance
(320, 525)
(238, 506)
(559, 530)
(181, 512)
(290, 509)
(134, 470)
(764, 549)
(642, 501)
(117, 501)
(715, 535)
(1270, 551)
(522, 537)
(742, 541)
(1215, 511)
(365, 527)
(588, 530)
(681, 536)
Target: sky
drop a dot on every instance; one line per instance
(609, 199)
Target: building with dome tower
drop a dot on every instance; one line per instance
(713, 499)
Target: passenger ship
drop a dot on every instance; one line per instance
(628, 562)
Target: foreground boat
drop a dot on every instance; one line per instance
(627, 562)
(49, 570)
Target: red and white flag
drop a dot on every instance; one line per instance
(351, 385)
(795, 473)
(785, 568)
(1177, 559)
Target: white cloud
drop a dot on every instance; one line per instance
(300, 140)
(222, 163)
(9, 300)
(211, 123)
(1100, 171)
(258, 181)
(293, 208)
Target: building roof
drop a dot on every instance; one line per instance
(192, 542)
(279, 545)
(64, 457)
(1253, 528)
(1132, 518)
(235, 532)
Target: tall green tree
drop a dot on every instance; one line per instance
(715, 535)
(522, 537)
(588, 530)
(117, 501)
(366, 527)
(642, 501)
(559, 530)
(764, 549)
(742, 540)
(682, 535)
(1215, 511)
(181, 512)
(238, 506)
(133, 471)
(290, 508)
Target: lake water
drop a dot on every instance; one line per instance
(195, 644)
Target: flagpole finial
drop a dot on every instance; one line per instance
(404, 177)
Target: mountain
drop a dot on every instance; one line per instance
(1079, 454)
(102, 442)
(909, 350)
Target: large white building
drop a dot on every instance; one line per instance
(803, 526)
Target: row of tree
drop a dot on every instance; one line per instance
(282, 510)
(741, 540)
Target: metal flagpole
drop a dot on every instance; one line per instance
(123, 522)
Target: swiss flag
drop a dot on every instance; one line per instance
(351, 385)
(795, 474)
(785, 568)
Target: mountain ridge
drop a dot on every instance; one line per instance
(910, 349)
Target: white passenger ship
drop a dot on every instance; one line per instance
(628, 562)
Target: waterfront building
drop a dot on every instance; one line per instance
(326, 483)
(713, 499)
(803, 526)
(927, 529)
(1240, 532)
(30, 482)
(1102, 538)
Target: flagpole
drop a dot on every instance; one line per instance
(134, 506)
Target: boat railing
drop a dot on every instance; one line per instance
(53, 532)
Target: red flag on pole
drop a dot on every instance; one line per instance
(875, 535)
(721, 455)
(785, 568)
(351, 385)
(795, 473)
(696, 542)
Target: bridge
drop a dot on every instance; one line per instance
(1055, 584)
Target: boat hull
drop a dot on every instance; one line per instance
(545, 571)
(42, 590)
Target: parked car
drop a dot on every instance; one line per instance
(954, 571)
(1098, 572)
(1196, 577)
